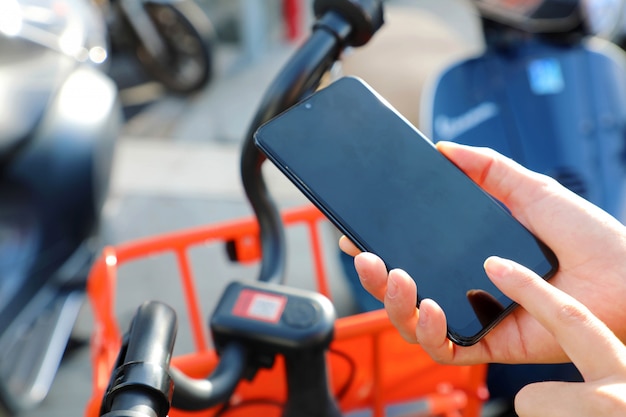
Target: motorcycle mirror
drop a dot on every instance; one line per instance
(604, 18)
(537, 16)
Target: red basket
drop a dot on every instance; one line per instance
(373, 370)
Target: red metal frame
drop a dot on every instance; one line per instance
(369, 362)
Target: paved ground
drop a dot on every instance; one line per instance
(177, 162)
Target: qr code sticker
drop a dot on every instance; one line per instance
(264, 307)
(257, 305)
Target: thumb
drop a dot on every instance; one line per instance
(551, 399)
(503, 178)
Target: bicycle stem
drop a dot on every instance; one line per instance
(308, 390)
(299, 78)
(340, 24)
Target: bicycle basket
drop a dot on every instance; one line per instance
(374, 372)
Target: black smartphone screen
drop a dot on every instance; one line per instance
(385, 186)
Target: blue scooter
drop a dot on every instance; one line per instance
(545, 93)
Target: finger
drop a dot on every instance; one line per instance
(549, 399)
(399, 293)
(348, 247)
(372, 274)
(432, 332)
(558, 399)
(505, 179)
(540, 203)
(583, 337)
(426, 325)
(400, 302)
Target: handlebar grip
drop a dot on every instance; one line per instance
(365, 17)
(141, 385)
(152, 334)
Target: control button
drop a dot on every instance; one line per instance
(300, 314)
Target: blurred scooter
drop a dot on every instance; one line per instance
(59, 122)
(544, 92)
(173, 40)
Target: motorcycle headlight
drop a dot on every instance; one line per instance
(10, 18)
(72, 27)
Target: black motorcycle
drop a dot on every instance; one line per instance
(173, 40)
(59, 122)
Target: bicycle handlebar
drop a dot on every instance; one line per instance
(141, 385)
(198, 394)
(340, 24)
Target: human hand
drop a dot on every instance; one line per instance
(597, 353)
(589, 243)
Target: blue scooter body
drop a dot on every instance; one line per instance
(556, 109)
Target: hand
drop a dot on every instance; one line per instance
(597, 353)
(589, 243)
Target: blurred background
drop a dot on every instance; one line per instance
(174, 163)
(176, 160)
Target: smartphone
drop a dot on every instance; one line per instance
(387, 188)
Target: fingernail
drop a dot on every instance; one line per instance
(392, 286)
(497, 267)
(422, 321)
